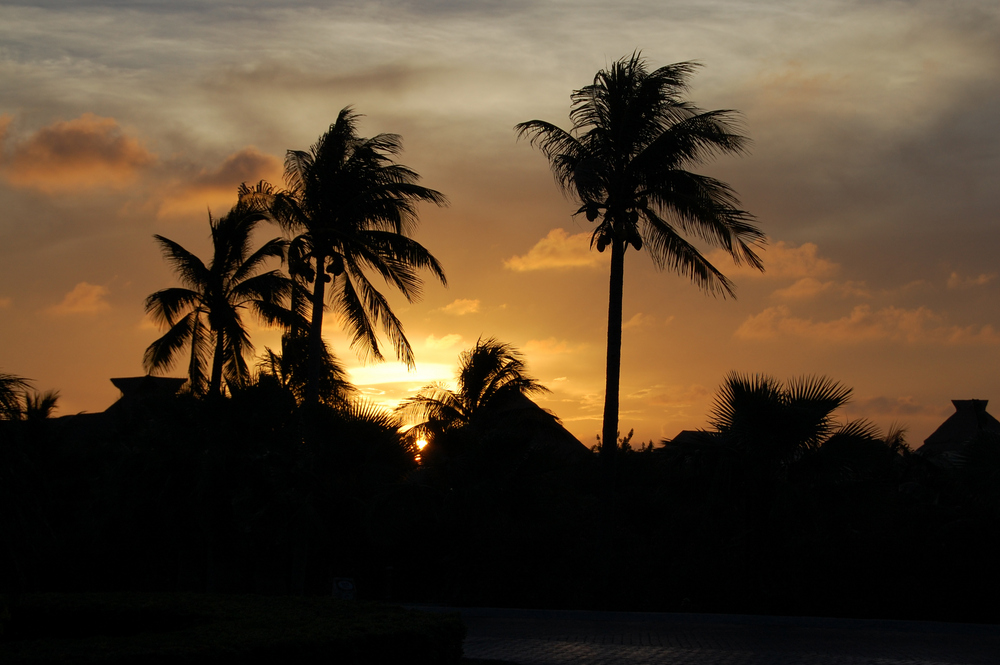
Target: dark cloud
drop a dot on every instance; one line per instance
(248, 165)
(86, 152)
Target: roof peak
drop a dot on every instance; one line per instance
(977, 405)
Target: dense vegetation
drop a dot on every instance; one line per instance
(240, 495)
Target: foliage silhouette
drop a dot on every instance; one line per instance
(353, 209)
(290, 370)
(624, 160)
(206, 313)
(490, 375)
(12, 391)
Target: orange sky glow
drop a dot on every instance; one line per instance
(874, 172)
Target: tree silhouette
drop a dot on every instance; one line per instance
(491, 374)
(353, 209)
(776, 423)
(39, 406)
(206, 314)
(290, 370)
(624, 161)
(12, 391)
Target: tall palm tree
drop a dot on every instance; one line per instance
(353, 209)
(625, 161)
(206, 314)
(490, 375)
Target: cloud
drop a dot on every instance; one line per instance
(864, 324)
(446, 342)
(83, 299)
(558, 250)
(87, 152)
(217, 186)
(810, 287)
(247, 165)
(891, 406)
(461, 306)
(636, 321)
(550, 346)
(784, 261)
(956, 281)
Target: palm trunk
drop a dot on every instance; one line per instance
(316, 333)
(609, 435)
(215, 384)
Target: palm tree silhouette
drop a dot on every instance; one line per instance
(206, 313)
(13, 390)
(290, 370)
(39, 406)
(491, 374)
(624, 160)
(773, 423)
(353, 207)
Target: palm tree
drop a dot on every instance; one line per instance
(12, 392)
(774, 424)
(625, 162)
(353, 209)
(206, 313)
(39, 406)
(289, 369)
(491, 375)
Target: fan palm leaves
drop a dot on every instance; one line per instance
(206, 314)
(625, 161)
(353, 208)
(490, 374)
(775, 422)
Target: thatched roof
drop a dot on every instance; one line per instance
(970, 418)
(141, 390)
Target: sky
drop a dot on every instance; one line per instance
(874, 171)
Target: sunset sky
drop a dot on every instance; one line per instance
(875, 172)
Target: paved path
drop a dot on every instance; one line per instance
(543, 637)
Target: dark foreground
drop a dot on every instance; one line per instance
(529, 637)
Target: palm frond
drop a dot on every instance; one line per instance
(160, 355)
(672, 252)
(164, 306)
(189, 267)
(12, 388)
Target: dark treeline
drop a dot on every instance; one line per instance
(245, 495)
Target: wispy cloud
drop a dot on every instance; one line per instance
(440, 343)
(956, 281)
(461, 307)
(550, 346)
(558, 250)
(83, 299)
(216, 186)
(865, 324)
(86, 152)
(782, 260)
(636, 321)
(810, 287)
(891, 406)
